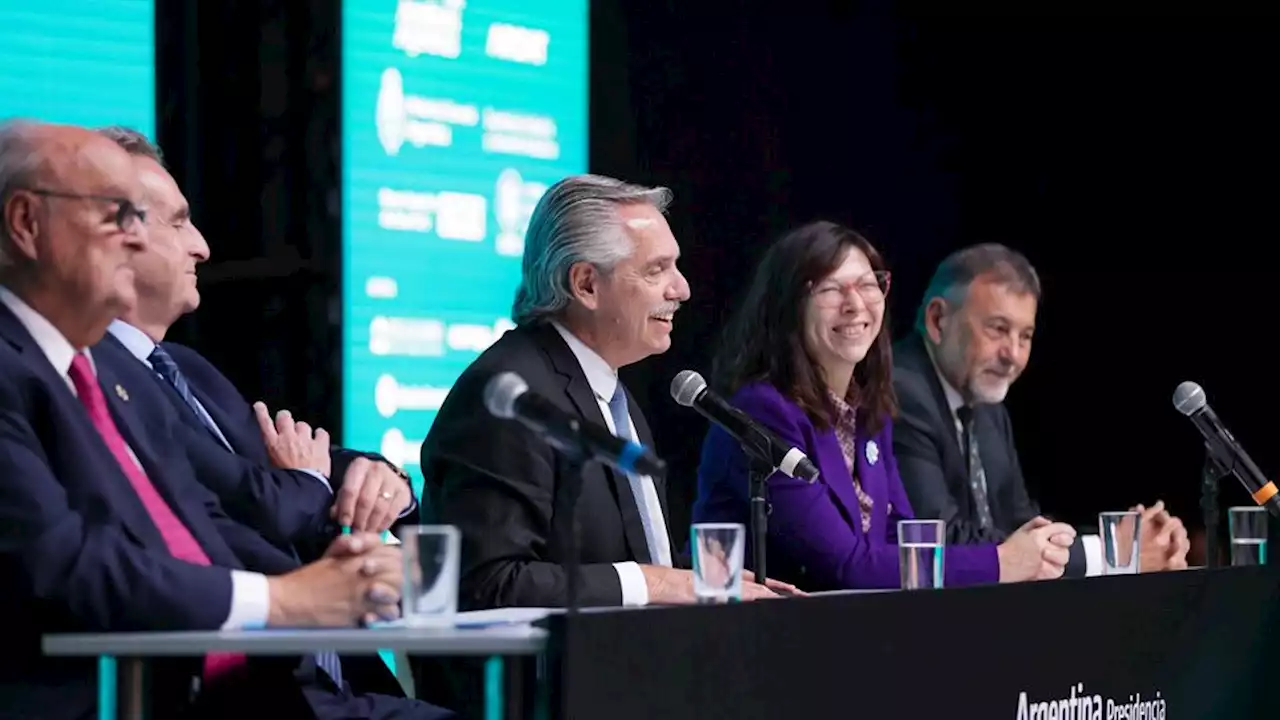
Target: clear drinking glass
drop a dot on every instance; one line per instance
(717, 561)
(1248, 529)
(1120, 533)
(921, 549)
(432, 559)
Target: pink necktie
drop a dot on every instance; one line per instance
(177, 537)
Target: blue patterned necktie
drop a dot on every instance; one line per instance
(167, 367)
(622, 428)
(164, 364)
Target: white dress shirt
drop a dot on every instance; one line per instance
(603, 380)
(1092, 544)
(250, 592)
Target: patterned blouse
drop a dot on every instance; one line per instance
(847, 433)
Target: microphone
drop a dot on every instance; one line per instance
(690, 390)
(1189, 399)
(507, 396)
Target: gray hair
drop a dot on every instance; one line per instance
(133, 142)
(576, 220)
(20, 164)
(957, 272)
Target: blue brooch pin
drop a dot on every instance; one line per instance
(873, 452)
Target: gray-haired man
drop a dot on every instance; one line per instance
(600, 290)
(953, 438)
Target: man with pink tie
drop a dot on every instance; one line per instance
(105, 527)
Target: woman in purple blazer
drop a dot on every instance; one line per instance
(807, 355)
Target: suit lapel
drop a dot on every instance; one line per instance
(584, 401)
(129, 506)
(219, 418)
(837, 476)
(870, 466)
(121, 402)
(923, 364)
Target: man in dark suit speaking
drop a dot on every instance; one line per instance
(600, 290)
(953, 438)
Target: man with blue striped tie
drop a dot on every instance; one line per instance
(371, 494)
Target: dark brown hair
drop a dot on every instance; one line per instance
(764, 338)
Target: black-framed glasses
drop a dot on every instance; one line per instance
(127, 213)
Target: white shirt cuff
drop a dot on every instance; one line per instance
(635, 591)
(1092, 554)
(317, 475)
(250, 601)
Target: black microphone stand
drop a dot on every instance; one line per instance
(1212, 473)
(564, 510)
(758, 474)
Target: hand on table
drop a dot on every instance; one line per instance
(1164, 542)
(672, 586)
(358, 580)
(1038, 550)
(783, 589)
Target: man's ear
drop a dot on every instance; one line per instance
(936, 317)
(584, 284)
(22, 220)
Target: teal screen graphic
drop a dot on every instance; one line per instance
(77, 62)
(456, 117)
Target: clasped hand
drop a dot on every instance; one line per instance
(357, 581)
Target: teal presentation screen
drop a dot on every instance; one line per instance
(78, 62)
(456, 117)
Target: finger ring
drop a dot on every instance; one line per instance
(386, 495)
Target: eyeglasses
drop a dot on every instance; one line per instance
(128, 215)
(873, 288)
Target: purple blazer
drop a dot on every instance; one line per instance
(815, 531)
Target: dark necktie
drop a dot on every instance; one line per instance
(973, 460)
(167, 367)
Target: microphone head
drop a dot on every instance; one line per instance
(501, 393)
(687, 386)
(1189, 398)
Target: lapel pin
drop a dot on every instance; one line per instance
(873, 452)
(122, 393)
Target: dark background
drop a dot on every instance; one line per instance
(1131, 154)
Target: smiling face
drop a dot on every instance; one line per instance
(631, 307)
(165, 274)
(843, 316)
(983, 345)
(76, 228)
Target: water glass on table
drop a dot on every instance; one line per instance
(717, 561)
(1121, 533)
(1248, 531)
(432, 562)
(921, 548)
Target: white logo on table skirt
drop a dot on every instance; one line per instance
(1079, 706)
